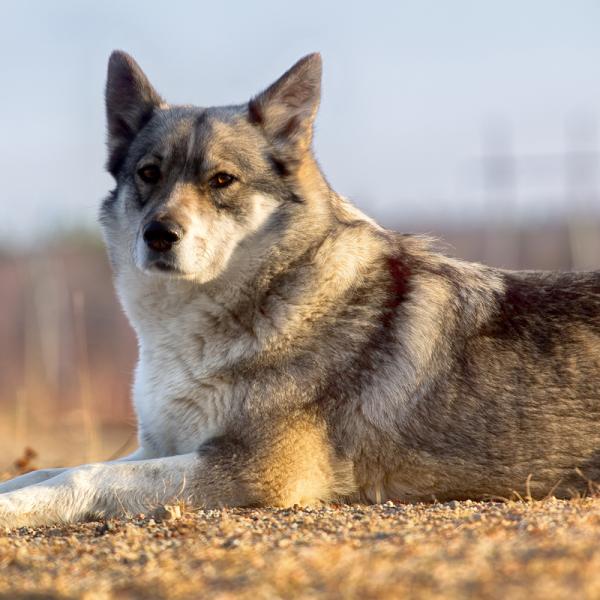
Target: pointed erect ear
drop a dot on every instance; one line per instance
(287, 109)
(130, 103)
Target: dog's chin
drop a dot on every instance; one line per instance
(165, 268)
(168, 266)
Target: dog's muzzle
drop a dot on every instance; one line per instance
(161, 236)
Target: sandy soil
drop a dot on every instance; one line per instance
(548, 549)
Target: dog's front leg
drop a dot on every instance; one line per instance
(30, 478)
(102, 490)
(40, 475)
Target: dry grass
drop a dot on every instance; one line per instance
(546, 549)
(61, 446)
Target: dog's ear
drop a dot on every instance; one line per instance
(130, 102)
(286, 110)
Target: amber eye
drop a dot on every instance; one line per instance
(149, 174)
(221, 180)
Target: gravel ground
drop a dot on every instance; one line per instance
(548, 549)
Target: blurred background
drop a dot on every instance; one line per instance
(473, 121)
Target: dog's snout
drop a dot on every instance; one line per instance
(161, 236)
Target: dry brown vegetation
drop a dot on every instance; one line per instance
(66, 356)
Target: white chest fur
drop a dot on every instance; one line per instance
(182, 394)
(176, 412)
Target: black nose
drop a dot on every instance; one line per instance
(160, 236)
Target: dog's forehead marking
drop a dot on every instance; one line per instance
(191, 146)
(164, 134)
(222, 137)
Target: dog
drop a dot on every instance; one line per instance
(292, 351)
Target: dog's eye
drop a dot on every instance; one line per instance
(221, 180)
(149, 174)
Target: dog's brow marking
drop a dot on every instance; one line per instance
(191, 145)
(193, 138)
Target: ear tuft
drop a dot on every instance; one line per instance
(130, 103)
(287, 109)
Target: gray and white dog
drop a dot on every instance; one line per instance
(293, 351)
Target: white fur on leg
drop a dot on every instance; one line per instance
(101, 490)
(44, 474)
(30, 478)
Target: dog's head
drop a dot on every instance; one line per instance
(195, 184)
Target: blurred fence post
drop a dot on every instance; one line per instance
(581, 191)
(90, 424)
(502, 241)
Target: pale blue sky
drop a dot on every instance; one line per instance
(408, 89)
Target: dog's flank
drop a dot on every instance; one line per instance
(293, 351)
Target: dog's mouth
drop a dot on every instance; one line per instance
(163, 265)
